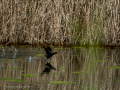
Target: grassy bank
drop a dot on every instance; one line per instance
(61, 22)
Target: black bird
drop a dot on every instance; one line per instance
(48, 68)
(49, 52)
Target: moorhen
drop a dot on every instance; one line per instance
(49, 52)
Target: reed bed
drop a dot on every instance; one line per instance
(61, 22)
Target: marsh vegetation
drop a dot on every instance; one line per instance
(61, 22)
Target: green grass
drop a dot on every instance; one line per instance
(114, 67)
(13, 67)
(15, 59)
(22, 46)
(98, 60)
(75, 55)
(61, 82)
(12, 80)
(82, 72)
(61, 68)
(29, 75)
(40, 54)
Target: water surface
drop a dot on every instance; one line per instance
(77, 68)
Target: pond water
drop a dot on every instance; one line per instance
(79, 68)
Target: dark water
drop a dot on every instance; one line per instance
(23, 68)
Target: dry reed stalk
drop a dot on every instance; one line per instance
(60, 22)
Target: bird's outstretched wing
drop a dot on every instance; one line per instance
(47, 50)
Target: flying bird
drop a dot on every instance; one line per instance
(49, 52)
